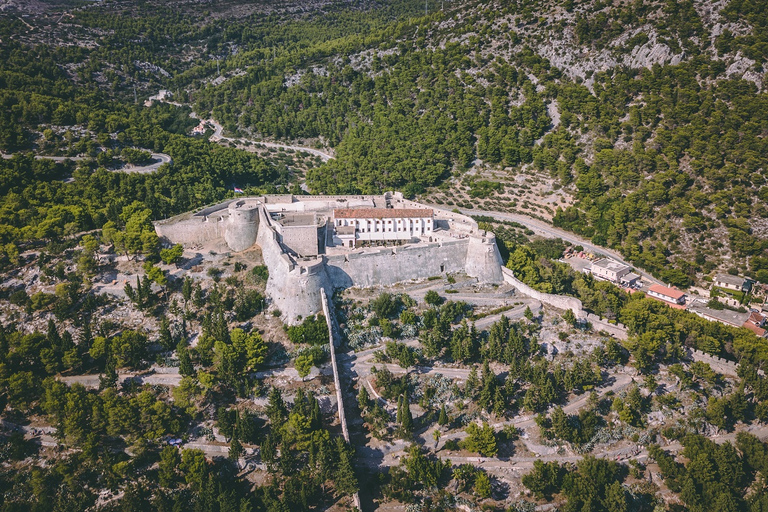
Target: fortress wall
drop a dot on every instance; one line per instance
(309, 205)
(278, 198)
(720, 365)
(191, 231)
(565, 302)
(484, 260)
(601, 324)
(294, 289)
(271, 251)
(556, 301)
(213, 209)
(393, 265)
(242, 225)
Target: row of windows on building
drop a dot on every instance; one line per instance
(377, 226)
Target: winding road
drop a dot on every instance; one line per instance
(217, 136)
(158, 159)
(548, 231)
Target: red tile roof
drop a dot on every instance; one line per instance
(381, 213)
(752, 327)
(667, 292)
(756, 318)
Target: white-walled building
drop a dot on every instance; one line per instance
(381, 224)
(610, 270)
(667, 294)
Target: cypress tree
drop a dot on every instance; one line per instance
(443, 420)
(405, 417)
(344, 479)
(186, 368)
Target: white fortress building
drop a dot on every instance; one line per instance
(311, 243)
(353, 225)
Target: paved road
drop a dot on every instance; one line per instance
(218, 135)
(158, 160)
(549, 231)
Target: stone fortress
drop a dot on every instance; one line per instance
(314, 243)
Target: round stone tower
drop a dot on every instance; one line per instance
(483, 259)
(297, 293)
(242, 226)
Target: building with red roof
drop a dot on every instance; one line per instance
(670, 295)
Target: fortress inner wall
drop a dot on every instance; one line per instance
(392, 265)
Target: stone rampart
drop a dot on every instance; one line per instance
(213, 208)
(601, 324)
(395, 264)
(556, 301)
(720, 365)
(328, 312)
(295, 288)
(483, 259)
(242, 225)
(192, 230)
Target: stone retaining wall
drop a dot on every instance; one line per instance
(556, 301)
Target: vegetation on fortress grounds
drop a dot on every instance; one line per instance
(666, 163)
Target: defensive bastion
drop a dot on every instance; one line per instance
(296, 237)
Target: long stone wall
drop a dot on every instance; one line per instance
(192, 231)
(337, 379)
(601, 324)
(396, 264)
(556, 301)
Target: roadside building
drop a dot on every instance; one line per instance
(756, 324)
(381, 224)
(609, 270)
(724, 316)
(667, 294)
(729, 282)
(629, 280)
(749, 320)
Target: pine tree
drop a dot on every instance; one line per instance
(488, 388)
(166, 338)
(443, 420)
(277, 412)
(236, 449)
(404, 417)
(139, 295)
(363, 399)
(268, 452)
(470, 388)
(54, 339)
(186, 368)
(499, 407)
(186, 290)
(109, 379)
(344, 479)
